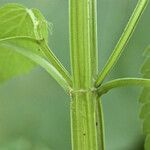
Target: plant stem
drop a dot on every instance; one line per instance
(40, 61)
(55, 62)
(83, 44)
(83, 121)
(56, 69)
(100, 125)
(122, 41)
(123, 82)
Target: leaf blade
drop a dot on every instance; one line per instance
(15, 21)
(40, 61)
(145, 100)
(27, 29)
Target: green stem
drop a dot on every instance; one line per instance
(123, 83)
(122, 41)
(55, 62)
(83, 121)
(100, 125)
(83, 44)
(50, 63)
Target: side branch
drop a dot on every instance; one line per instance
(55, 62)
(122, 41)
(49, 61)
(123, 82)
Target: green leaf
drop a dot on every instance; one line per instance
(147, 142)
(41, 61)
(16, 21)
(145, 100)
(24, 43)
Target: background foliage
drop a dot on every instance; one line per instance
(34, 110)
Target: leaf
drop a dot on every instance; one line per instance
(42, 62)
(17, 21)
(145, 100)
(24, 42)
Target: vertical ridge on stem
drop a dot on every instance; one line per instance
(84, 63)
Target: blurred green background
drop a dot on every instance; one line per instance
(34, 110)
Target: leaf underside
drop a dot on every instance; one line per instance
(145, 101)
(18, 21)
